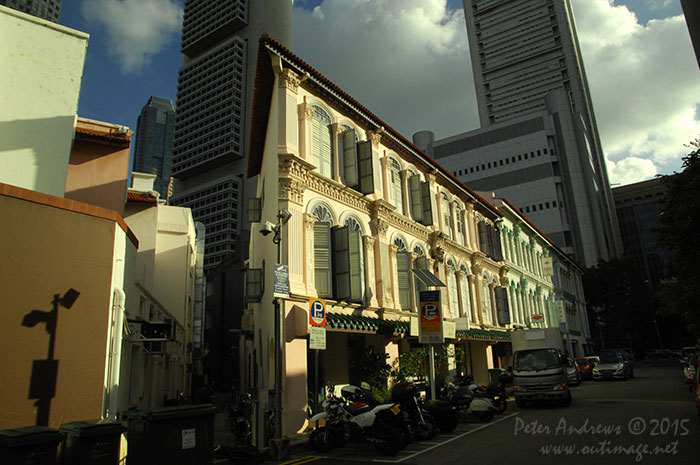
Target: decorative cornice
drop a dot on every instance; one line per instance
(375, 136)
(292, 190)
(291, 166)
(336, 191)
(378, 227)
(289, 80)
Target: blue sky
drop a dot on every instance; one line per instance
(644, 80)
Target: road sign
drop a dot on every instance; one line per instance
(317, 312)
(281, 280)
(430, 329)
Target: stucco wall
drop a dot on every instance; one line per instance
(45, 251)
(42, 67)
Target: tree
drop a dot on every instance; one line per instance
(680, 235)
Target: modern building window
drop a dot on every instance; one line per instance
(321, 150)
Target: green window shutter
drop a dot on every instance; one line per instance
(364, 149)
(322, 259)
(426, 203)
(415, 197)
(316, 142)
(326, 167)
(357, 281)
(454, 296)
(396, 189)
(502, 311)
(350, 168)
(402, 267)
(483, 237)
(341, 263)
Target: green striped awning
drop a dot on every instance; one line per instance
(484, 334)
(341, 321)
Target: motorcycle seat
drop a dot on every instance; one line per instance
(357, 408)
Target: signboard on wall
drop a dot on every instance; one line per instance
(430, 328)
(317, 324)
(547, 266)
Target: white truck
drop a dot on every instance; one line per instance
(539, 366)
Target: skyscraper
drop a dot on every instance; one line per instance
(215, 88)
(153, 151)
(538, 144)
(46, 9)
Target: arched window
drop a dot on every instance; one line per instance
(396, 189)
(466, 294)
(322, 251)
(321, 149)
(403, 262)
(452, 288)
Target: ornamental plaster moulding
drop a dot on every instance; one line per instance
(291, 166)
(291, 190)
(289, 80)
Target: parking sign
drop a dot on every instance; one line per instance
(317, 312)
(430, 329)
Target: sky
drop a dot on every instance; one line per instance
(408, 62)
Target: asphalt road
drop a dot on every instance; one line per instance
(650, 419)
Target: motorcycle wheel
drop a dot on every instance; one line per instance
(447, 422)
(502, 405)
(484, 416)
(321, 439)
(427, 429)
(388, 440)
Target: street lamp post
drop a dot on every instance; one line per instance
(282, 217)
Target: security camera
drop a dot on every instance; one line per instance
(266, 228)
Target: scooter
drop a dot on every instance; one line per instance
(495, 391)
(466, 404)
(355, 422)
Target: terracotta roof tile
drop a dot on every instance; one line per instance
(141, 197)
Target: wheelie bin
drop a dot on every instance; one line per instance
(29, 445)
(93, 442)
(182, 435)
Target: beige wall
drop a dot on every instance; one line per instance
(47, 250)
(42, 67)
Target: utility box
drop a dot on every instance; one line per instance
(182, 435)
(30, 445)
(94, 442)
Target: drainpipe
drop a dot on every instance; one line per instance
(110, 402)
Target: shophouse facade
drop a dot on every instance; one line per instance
(367, 208)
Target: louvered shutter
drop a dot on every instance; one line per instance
(350, 168)
(322, 259)
(502, 311)
(402, 267)
(397, 193)
(415, 197)
(341, 263)
(497, 249)
(420, 263)
(321, 146)
(357, 282)
(316, 142)
(326, 152)
(483, 237)
(366, 170)
(426, 204)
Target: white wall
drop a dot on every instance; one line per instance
(41, 67)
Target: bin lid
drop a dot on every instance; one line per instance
(29, 435)
(179, 411)
(92, 428)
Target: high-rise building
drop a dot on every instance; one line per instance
(214, 98)
(153, 151)
(538, 145)
(46, 9)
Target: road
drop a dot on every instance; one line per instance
(650, 419)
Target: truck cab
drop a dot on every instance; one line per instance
(539, 367)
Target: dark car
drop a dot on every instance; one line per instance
(585, 367)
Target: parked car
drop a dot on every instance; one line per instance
(585, 366)
(613, 367)
(689, 371)
(573, 376)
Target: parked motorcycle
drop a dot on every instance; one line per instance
(406, 394)
(239, 418)
(466, 403)
(495, 391)
(356, 421)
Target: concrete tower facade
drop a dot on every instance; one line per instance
(215, 88)
(153, 151)
(45, 9)
(538, 145)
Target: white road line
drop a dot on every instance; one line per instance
(447, 441)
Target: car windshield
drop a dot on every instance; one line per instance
(582, 363)
(536, 359)
(611, 359)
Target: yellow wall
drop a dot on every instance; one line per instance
(45, 251)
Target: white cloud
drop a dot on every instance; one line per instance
(136, 29)
(645, 86)
(630, 170)
(406, 60)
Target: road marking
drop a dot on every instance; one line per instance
(447, 441)
(638, 401)
(301, 460)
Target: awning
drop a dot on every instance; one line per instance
(427, 277)
(341, 321)
(486, 334)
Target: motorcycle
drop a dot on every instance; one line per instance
(466, 403)
(239, 418)
(496, 392)
(356, 421)
(406, 395)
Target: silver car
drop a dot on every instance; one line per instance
(573, 375)
(613, 367)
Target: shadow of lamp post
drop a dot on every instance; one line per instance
(45, 372)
